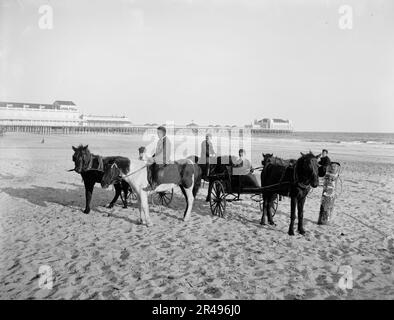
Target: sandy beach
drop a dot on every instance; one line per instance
(107, 255)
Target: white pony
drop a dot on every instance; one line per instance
(184, 173)
(134, 172)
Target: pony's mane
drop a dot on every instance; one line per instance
(308, 155)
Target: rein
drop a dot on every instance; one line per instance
(129, 174)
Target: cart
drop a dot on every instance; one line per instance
(227, 187)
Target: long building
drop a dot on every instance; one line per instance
(61, 116)
(58, 114)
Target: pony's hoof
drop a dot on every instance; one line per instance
(109, 206)
(272, 223)
(86, 211)
(139, 221)
(262, 223)
(291, 233)
(186, 219)
(301, 231)
(124, 207)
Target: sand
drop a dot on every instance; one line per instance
(107, 255)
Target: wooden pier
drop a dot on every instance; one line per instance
(137, 130)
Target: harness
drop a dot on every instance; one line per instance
(296, 179)
(95, 163)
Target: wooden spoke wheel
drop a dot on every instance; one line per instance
(218, 199)
(130, 196)
(163, 198)
(274, 206)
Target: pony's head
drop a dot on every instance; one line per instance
(266, 157)
(111, 174)
(307, 170)
(81, 158)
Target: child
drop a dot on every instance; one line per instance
(142, 154)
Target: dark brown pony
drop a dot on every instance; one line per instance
(91, 168)
(292, 179)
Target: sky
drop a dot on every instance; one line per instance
(208, 61)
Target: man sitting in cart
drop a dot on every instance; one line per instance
(243, 168)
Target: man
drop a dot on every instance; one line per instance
(242, 166)
(142, 154)
(162, 153)
(207, 151)
(244, 170)
(161, 157)
(323, 163)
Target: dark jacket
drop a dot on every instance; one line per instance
(324, 161)
(163, 151)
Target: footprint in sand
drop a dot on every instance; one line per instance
(214, 292)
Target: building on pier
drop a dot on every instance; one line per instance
(105, 121)
(273, 124)
(59, 114)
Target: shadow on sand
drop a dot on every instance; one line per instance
(72, 198)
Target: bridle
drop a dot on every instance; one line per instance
(84, 167)
(302, 184)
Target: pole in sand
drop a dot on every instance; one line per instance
(329, 193)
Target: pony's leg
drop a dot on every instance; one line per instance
(300, 211)
(89, 186)
(190, 200)
(187, 201)
(117, 194)
(269, 209)
(262, 221)
(139, 202)
(125, 189)
(209, 192)
(293, 204)
(144, 207)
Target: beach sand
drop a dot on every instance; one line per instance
(107, 255)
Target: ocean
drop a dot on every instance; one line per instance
(337, 137)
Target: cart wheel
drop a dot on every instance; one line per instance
(130, 196)
(162, 198)
(274, 206)
(218, 199)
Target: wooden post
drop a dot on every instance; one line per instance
(329, 193)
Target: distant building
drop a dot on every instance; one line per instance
(105, 121)
(192, 125)
(273, 124)
(58, 114)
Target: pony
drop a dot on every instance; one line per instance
(290, 178)
(88, 166)
(183, 173)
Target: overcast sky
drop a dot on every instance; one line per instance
(211, 61)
